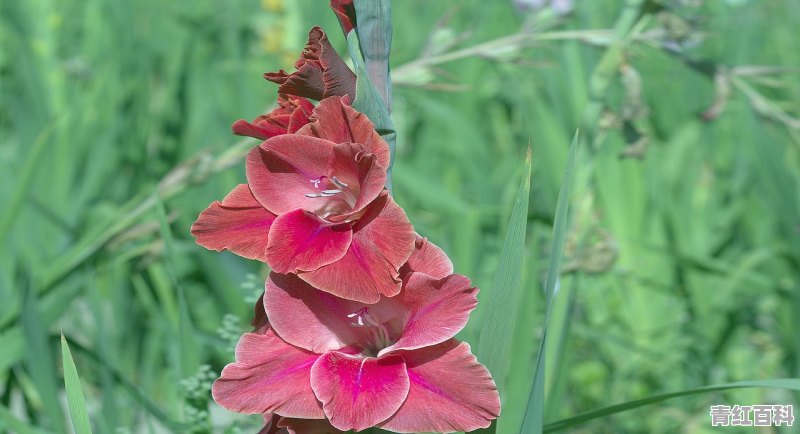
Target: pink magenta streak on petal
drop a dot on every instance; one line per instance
(300, 241)
(422, 382)
(269, 375)
(358, 392)
(449, 391)
(281, 375)
(383, 239)
(357, 388)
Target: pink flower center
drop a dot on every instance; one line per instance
(380, 337)
(339, 198)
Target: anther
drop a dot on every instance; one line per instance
(359, 316)
(338, 183)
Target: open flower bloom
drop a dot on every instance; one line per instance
(291, 114)
(315, 205)
(320, 71)
(393, 364)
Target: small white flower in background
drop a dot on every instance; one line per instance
(559, 7)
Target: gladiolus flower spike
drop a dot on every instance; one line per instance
(356, 325)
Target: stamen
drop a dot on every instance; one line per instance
(338, 183)
(359, 320)
(380, 333)
(331, 192)
(313, 195)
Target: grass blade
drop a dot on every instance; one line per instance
(189, 354)
(133, 391)
(497, 326)
(786, 383)
(75, 399)
(534, 412)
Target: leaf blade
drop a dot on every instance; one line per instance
(781, 383)
(533, 421)
(76, 401)
(497, 328)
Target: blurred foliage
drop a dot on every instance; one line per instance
(682, 262)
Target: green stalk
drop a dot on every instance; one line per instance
(370, 44)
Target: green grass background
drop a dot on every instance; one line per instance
(681, 269)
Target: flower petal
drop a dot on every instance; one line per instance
(320, 71)
(239, 223)
(261, 131)
(301, 116)
(282, 170)
(383, 239)
(346, 13)
(357, 168)
(302, 241)
(358, 392)
(291, 114)
(437, 309)
(260, 322)
(269, 376)
(427, 258)
(333, 119)
(309, 318)
(449, 391)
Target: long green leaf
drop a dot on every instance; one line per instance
(75, 399)
(497, 327)
(786, 383)
(534, 412)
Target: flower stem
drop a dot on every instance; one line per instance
(374, 32)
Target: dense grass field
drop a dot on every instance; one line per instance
(681, 266)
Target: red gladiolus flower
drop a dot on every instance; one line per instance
(346, 13)
(320, 71)
(393, 364)
(291, 114)
(315, 205)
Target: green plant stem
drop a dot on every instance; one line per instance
(608, 66)
(374, 32)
